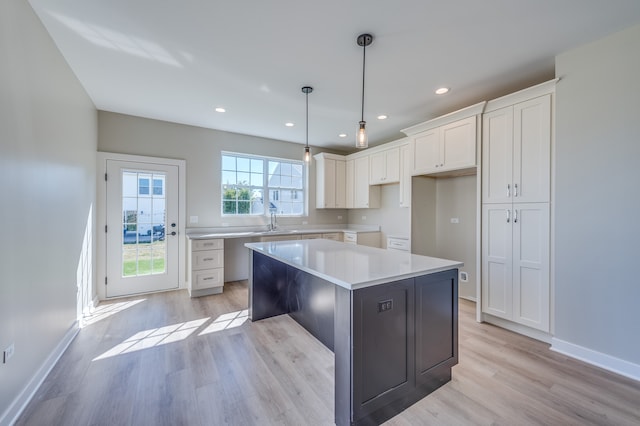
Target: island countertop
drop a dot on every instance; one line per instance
(351, 266)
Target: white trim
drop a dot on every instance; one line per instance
(11, 414)
(463, 113)
(517, 328)
(599, 359)
(378, 148)
(101, 202)
(522, 95)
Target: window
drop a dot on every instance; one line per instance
(143, 186)
(253, 185)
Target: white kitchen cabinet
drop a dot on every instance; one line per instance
(516, 152)
(445, 148)
(205, 267)
(335, 236)
(371, 239)
(286, 237)
(515, 263)
(365, 196)
(384, 167)
(351, 183)
(330, 181)
(405, 175)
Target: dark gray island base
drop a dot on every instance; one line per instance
(394, 342)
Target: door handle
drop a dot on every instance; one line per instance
(173, 233)
(515, 190)
(508, 190)
(508, 215)
(515, 216)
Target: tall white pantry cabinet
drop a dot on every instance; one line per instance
(516, 196)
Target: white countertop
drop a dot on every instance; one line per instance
(351, 266)
(248, 232)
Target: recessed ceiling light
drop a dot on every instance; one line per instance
(289, 124)
(220, 109)
(442, 90)
(382, 117)
(342, 135)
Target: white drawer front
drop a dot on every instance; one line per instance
(398, 244)
(208, 278)
(333, 236)
(350, 237)
(208, 259)
(310, 236)
(217, 244)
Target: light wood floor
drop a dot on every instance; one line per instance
(166, 359)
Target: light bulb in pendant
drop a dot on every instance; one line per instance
(362, 141)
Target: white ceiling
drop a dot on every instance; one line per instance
(178, 60)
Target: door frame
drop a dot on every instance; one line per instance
(101, 214)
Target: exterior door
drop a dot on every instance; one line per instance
(141, 228)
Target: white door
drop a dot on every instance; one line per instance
(142, 228)
(497, 156)
(497, 260)
(531, 265)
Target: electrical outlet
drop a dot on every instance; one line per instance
(339, 217)
(464, 277)
(385, 305)
(8, 353)
(455, 220)
(304, 222)
(193, 219)
(364, 218)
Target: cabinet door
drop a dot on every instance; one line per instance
(364, 196)
(378, 168)
(458, 144)
(325, 183)
(497, 156)
(426, 152)
(392, 165)
(497, 288)
(531, 265)
(532, 150)
(350, 184)
(340, 185)
(405, 176)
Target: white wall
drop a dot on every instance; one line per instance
(597, 285)
(48, 139)
(201, 149)
(392, 219)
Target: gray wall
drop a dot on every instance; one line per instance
(48, 138)
(597, 285)
(392, 219)
(201, 149)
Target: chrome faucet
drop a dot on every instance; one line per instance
(273, 224)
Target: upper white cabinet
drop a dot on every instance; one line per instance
(445, 144)
(516, 152)
(330, 181)
(365, 196)
(384, 167)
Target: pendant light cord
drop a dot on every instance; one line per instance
(364, 53)
(307, 139)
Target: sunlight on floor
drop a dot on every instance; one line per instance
(171, 333)
(226, 321)
(105, 311)
(154, 337)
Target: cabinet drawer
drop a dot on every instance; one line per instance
(336, 236)
(208, 278)
(207, 259)
(350, 237)
(401, 244)
(217, 244)
(310, 236)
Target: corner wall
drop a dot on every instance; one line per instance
(597, 288)
(48, 139)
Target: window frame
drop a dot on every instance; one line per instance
(265, 188)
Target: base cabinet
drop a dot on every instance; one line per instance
(205, 267)
(515, 263)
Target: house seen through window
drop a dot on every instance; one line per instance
(253, 185)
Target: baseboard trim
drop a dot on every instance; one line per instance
(599, 359)
(517, 328)
(10, 416)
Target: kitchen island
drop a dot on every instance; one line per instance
(390, 318)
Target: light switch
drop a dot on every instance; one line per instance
(455, 220)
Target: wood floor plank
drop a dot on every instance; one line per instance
(167, 359)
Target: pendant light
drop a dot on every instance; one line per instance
(307, 151)
(362, 141)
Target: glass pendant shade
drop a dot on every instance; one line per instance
(307, 154)
(362, 141)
